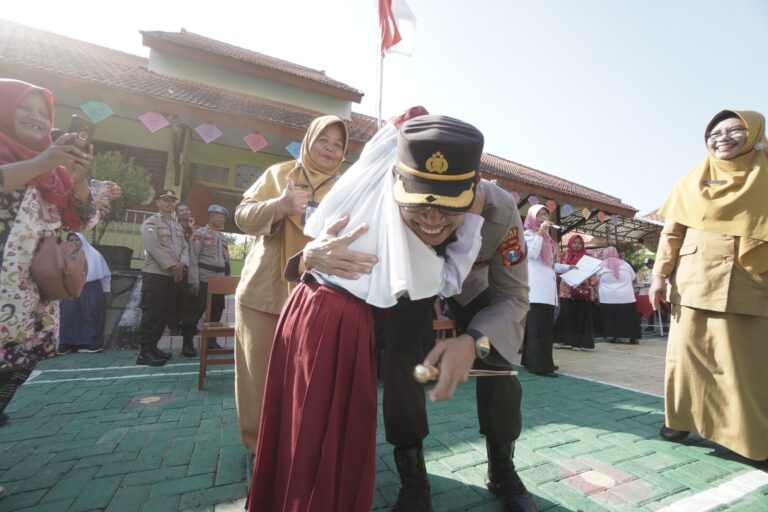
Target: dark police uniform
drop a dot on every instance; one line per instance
(208, 256)
(493, 302)
(165, 246)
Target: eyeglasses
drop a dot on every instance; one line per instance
(733, 132)
(425, 209)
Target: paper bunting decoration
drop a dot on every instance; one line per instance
(601, 216)
(566, 209)
(294, 148)
(532, 200)
(96, 110)
(615, 219)
(208, 132)
(255, 141)
(551, 205)
(586, 213)
(515, 196)
(153, 121)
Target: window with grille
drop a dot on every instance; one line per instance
(246, 175)
(209, 173)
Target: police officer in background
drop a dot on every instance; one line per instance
(208, 256)
(164, 268)
(183, 217)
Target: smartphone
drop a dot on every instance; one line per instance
(84, 130)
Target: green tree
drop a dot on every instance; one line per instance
(133, 180)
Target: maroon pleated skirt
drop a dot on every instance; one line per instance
(317, 439)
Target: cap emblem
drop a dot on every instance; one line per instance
(437, 163)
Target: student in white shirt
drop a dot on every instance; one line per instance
(617, 298)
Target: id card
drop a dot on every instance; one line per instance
(311, 209)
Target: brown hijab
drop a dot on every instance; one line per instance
(729, 196)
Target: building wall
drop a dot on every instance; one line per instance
(179, 67)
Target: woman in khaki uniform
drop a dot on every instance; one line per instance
(274, 210)
(714, 249)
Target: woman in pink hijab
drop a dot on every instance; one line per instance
(617, 298)
(540, 324)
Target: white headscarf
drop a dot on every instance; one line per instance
(365, 192)
(97, 265)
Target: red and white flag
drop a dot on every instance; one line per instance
(398, 27)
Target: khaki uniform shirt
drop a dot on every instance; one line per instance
(208, 248)
(704, 273)
(502, 268)
(164, 243)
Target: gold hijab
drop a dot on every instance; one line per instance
(729, 196)
(275, 180)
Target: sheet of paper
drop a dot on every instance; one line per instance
(585, 267)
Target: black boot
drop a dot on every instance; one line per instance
(503, 481)
(213, 344)
(414, 491)
(188, 348)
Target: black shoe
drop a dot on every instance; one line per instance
(670, 434)
(634, 341)
(188, 350)
(91, 349)
(3, 419)
(174, 331)
(503, 481)
(552, 374)
(414, 493)
(161, 353)
(64, 349)
(213, 344)
(150, 359)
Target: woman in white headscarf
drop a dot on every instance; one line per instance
(82, 318)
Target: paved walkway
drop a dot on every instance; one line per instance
(95, 432)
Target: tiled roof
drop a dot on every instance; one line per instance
(529, 177)
(198, 42)
(35, 49)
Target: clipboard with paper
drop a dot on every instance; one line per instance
(585, 267)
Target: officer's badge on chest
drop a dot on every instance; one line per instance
(511, 250)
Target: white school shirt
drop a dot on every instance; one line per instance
(616, 290)
(541, 277)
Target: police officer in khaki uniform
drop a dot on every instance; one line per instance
(208, 256)
(492, 304)
(164, 268)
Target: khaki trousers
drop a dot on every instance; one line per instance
(254, 332)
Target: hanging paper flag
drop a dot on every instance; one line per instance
(551, 205)
(515, 196)
(153, 121)
(601, 216)
(398, 27)
(566, 209)
(615, 219)
(208, 132)
(96, 110)
(255, 141)
(532, 200)
(586, 213)
(294, 148)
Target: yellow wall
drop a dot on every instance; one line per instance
(173, 65)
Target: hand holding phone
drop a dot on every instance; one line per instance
(83, 130)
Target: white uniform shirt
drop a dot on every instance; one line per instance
(617, 290)
(541, 277)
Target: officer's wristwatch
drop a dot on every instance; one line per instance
(482, 343)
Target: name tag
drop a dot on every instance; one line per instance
(714, 182)
(311, 209)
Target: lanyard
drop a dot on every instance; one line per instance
(321, 185)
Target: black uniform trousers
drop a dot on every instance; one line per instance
(157, 300)
(407, 335)
(180, 299)
(195, 307)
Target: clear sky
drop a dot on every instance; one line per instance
(612, 94)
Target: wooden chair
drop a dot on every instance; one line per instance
(443, 327)
(217, 285)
